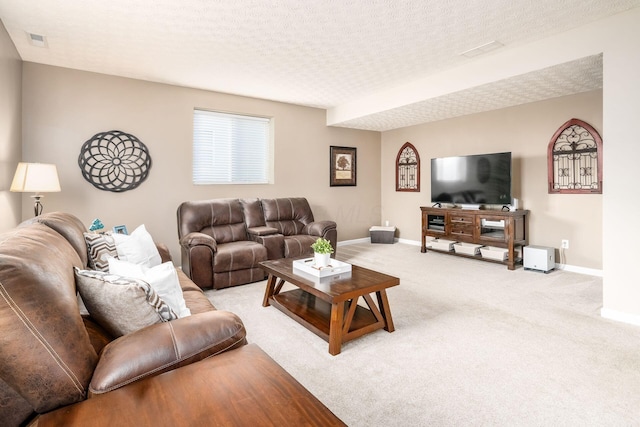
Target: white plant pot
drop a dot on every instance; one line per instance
(321, 260)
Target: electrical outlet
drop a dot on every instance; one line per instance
(565, 244)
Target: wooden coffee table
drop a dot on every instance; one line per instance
(329, 307)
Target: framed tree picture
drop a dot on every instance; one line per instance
(342, 166)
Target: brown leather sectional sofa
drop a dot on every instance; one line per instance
(62, 364)
(224, 240)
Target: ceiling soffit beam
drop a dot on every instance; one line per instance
(569, 78)
(578, 43)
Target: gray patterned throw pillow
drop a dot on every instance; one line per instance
(119, 304)
(100, 247)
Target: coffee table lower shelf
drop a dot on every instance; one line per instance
(315, 314)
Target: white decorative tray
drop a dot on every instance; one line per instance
(322, 280)
(307, 266)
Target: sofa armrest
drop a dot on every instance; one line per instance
(325, 229)
(274, 243)
(199, 239)
(261, 231)
(166, 346)
(270, 238)
(164, 252)
(197, 253)
(243, 387)
(319, 228)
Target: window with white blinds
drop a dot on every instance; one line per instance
(230, 148)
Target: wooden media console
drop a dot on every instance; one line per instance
(493, 228)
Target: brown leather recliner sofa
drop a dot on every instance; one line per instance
(61, 368)
(224, 240)
(51, 356)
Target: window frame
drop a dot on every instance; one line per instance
(200, 178)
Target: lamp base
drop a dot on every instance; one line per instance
(37, 207)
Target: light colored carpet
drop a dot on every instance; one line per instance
(475, 344)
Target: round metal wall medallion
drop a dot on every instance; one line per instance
(114, 161)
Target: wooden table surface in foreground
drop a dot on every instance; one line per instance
(241, 387)
(329, 306)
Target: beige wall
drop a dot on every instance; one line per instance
(10, 126)
(76, 105)
(63, 108)
(525, 131)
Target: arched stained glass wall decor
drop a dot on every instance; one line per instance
(574, 159)
(408, 169)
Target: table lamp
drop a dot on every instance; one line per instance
(36, 178)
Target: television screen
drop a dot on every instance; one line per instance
(476, 179)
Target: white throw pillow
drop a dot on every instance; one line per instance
(163, 278)
(138, 247)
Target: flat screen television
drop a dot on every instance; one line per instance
(479, 179)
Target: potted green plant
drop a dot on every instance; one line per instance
(322, 250)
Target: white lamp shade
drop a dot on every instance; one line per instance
(35, 178)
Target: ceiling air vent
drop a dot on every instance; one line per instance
(37, 40)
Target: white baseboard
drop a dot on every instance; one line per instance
(354, 241)
(618, 316)
(581, 270)
(368, 240)
(409, 242)
(565, 267)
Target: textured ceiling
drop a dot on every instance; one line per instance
(319, 53)
(564, 79)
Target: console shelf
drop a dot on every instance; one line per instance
(483, 227)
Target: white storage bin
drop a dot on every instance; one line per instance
(467, 248)
(498, 254)
(442, 244)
